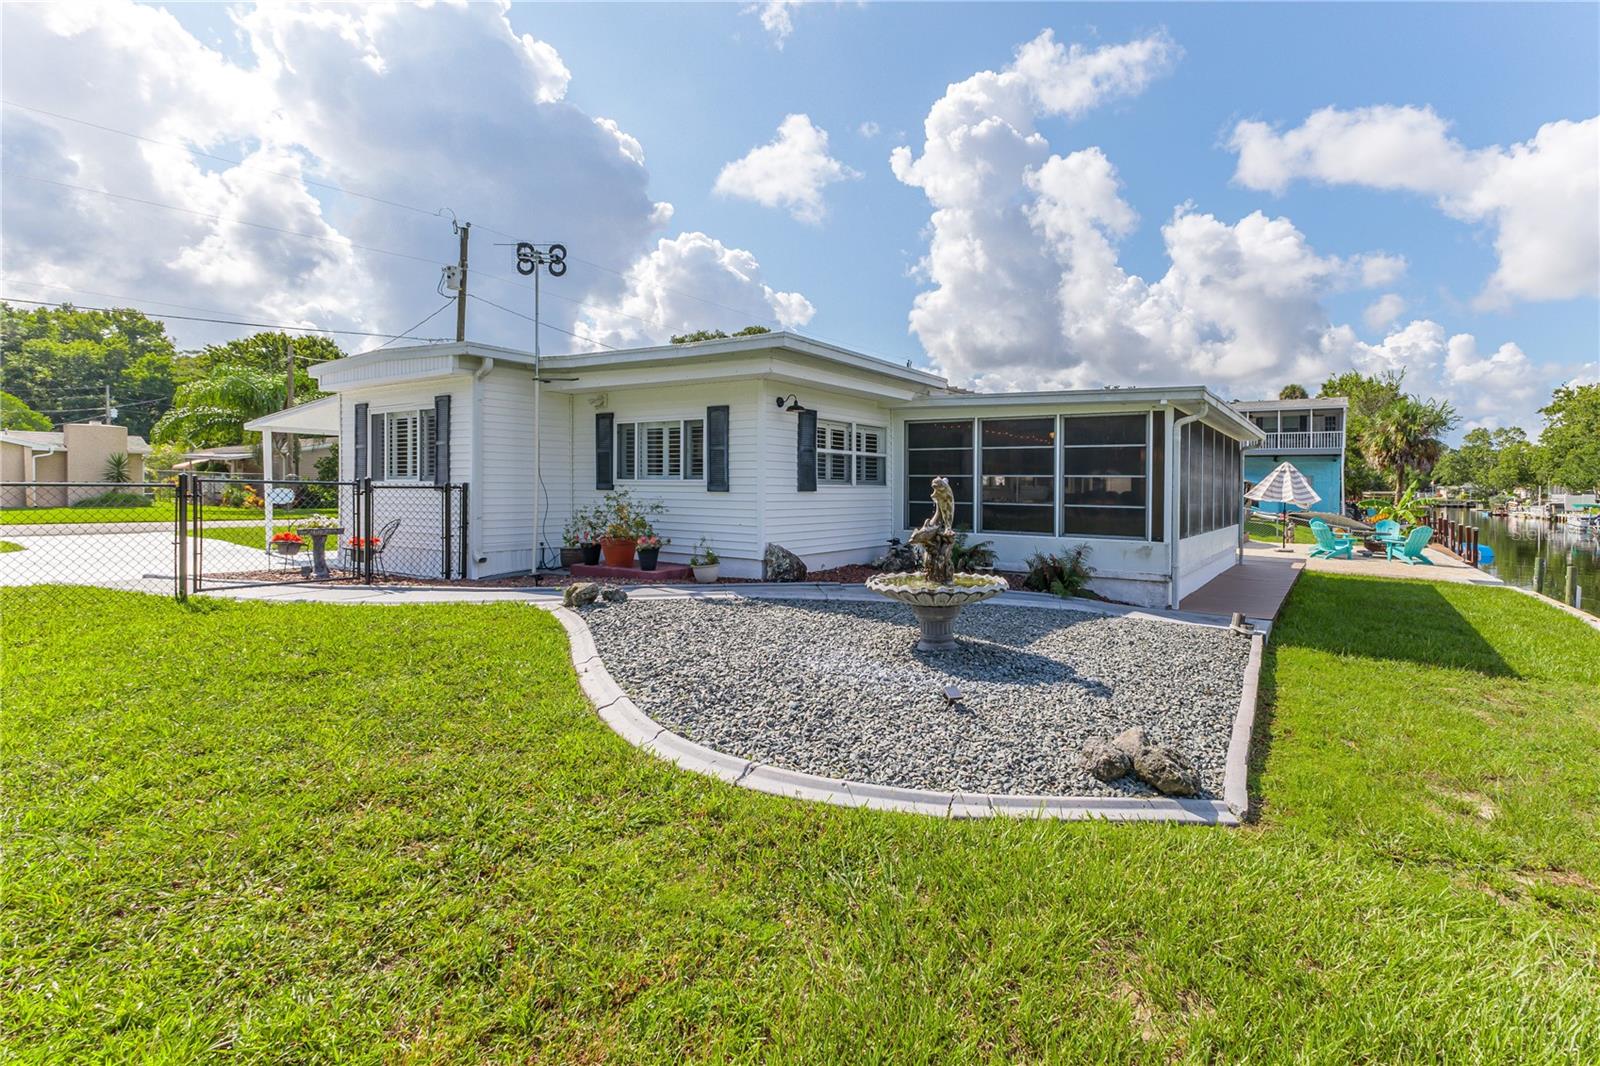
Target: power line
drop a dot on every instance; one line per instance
(418, 326)
(234, 321)
(546, 325)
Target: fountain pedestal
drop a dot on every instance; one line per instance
(936, 606)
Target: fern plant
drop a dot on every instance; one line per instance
(1062, 575)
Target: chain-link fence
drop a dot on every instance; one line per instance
(205, 533)
(75, 534)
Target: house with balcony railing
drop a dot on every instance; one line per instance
(1307, 433)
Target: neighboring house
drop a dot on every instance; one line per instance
(79, 452)
(778, 438)
(244, 460)
(1306, 433)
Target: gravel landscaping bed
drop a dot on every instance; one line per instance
(838, 689)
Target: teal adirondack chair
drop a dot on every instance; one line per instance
(1388, 529)
(1329, 546)
(1410, 550)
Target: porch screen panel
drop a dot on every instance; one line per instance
(1104, 475)
(1018, 487)
(1158, 475)
(939, 449)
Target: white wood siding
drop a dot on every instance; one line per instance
(728, 520)
(504, 511)
(838, 523)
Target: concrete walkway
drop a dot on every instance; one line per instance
(1446, 567)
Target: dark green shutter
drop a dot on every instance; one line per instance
(805, 453)
(717, 449)
(358, 450)
(604, 446)
(441, 440)
(375, 449)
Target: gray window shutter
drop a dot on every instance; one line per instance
(805, 453)
(717, 449)
(604, 445)
(375, 449)
(358, 451)
(441, 440)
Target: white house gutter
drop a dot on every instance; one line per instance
(475, 508)
(1174, 471)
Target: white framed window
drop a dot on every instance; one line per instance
(694, 443)
(660, 449)
(408, 445)
(833, 452)
(872, 462)
(627, 443)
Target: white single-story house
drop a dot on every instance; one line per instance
(778, 438)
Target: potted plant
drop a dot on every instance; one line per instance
(704, 562)
(361, 547)
(574, 540)
(622, 521)
(287, 543)
(649, 549)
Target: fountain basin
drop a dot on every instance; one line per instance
(937, 605)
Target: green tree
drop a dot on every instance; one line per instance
(212, 410)
(59, 361)
(1569, 447)
(1468, 464)
(14, 414)
(717, 334)
(1367, 396)
(1293, 392)
(262, 351)
(1405, 437)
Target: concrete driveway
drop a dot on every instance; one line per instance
(141, 560)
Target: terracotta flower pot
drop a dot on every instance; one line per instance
(618, 551)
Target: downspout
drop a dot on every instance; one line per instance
(1174, 472)
(475, 499)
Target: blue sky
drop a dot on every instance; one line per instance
(497, 114)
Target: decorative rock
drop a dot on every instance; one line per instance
(1167, 771)
(780, 564)
(1105, 760)
(614, 594)
(1129, 742)
(581, 595)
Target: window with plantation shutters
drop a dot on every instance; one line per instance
(410, 441)
(871, 461)
(661, 449)
(833, 452)
(627, 443)
(694, 438)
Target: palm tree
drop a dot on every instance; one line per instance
(1405, 436)
(213, 410)
(1293, 392)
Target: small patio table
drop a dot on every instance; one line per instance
(319, 540)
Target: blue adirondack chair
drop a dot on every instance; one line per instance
(1410, 550)
(1329, 546)
(1388, 529)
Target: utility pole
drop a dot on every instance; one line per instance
(292, 444)
(108, 403)
(465, 230)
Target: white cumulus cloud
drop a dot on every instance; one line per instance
(320, 95)
(777, 18)
(1381, 313)
(1541, 196)
(689, 283)
(790, 171)
(1025, 288)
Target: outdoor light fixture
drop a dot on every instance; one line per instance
(792, 401)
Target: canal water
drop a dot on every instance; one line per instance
(1519, 542)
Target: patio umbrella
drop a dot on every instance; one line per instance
(1287, 486)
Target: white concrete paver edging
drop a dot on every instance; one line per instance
(619, 712)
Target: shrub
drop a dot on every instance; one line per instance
(118, 468)
(969, 557)
(1064, 574)
(233, 495)
(114, 498)
(704, 554)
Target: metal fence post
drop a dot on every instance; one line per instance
(180, 546)
(444, 521)
(463, 530)
(366, 530)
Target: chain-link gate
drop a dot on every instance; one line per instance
(319, 531)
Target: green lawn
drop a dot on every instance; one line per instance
(269, 833)
(1272, 532)
(153, 511)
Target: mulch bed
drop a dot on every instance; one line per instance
(844, 575)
